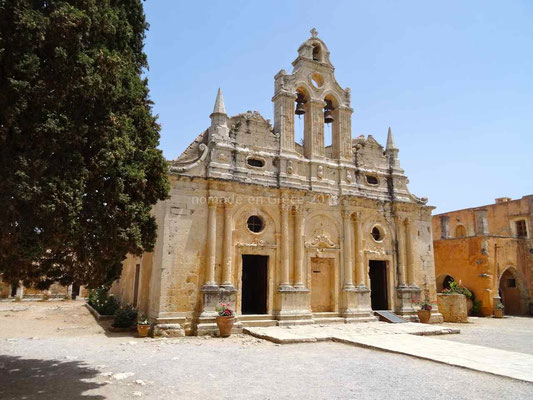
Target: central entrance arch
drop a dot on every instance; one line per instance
(322, 280)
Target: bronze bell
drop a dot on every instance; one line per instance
(328, 117)
(300, 110)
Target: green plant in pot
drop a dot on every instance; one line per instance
(498, 310)
(424, 313)
(225, 319)
(143, 326)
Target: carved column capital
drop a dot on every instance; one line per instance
(298, 210)
(357, 216)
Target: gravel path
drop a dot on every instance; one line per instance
(88, 364)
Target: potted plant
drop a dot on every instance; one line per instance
(498, 310)
(143, 326)
(225, 319)
(424, 314)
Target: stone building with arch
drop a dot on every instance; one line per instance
(288, 232)
(490, 250)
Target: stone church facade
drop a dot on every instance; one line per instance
(289, 233)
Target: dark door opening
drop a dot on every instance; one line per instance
(379, 298)
(254, 284)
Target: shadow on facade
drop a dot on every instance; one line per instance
(45, 379)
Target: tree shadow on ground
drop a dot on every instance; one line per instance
(31, 379)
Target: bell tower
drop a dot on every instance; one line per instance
(312, 91)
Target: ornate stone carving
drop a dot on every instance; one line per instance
(320, 172)
(349, 177)
(254, 243)
(222, 157)
(321, 240)
(290, 168)
(177, 167)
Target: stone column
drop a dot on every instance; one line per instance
(285, 280)
(359, 265)
(211, 243)
(411, 251)
(284, 118)
(314, 129)
(398, 221)
(298, 247)
(348, 265)
(228, 245)
(342, 133)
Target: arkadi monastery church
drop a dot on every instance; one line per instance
(288, 232)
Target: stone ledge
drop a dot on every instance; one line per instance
(97, 315)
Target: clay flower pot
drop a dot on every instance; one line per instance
(498, 313)
(424, 316)
(143, 330)
(225, 325)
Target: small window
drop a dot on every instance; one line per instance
(521, 230)
(460, 231)
(377, 234)
(255, 162)
(511, 282)
(255, 224)
(372, 180)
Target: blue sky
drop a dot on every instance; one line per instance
(453, 79)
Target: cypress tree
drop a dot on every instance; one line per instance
(79, 164)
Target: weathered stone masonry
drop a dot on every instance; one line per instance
(289, 233)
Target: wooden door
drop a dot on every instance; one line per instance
(321, 284)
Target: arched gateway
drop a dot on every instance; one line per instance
(289, 233)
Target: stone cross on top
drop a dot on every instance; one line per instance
(314, 32)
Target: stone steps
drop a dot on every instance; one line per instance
(330, 320)
(252, 317)
(259, 323)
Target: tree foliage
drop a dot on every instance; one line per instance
(79, 167)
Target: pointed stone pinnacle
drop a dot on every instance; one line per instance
(390, 141)
(219, 108)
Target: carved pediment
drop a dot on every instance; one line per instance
(321, 240)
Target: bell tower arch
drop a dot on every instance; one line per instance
(312, 91)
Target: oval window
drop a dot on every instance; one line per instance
(255, 224)
(372, 180)
(255, 162)
(377, 234)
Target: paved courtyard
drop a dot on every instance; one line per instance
(509, 333)
(55, 350)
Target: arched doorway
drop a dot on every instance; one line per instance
(510, 292)
(443, 282)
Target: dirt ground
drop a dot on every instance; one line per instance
(56, 350)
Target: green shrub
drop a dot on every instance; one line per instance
(125, 317)
(457, 288)
(476, 308)
(102, 302)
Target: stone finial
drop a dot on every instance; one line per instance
(219, 108)
(314, 33)
(390, 141)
